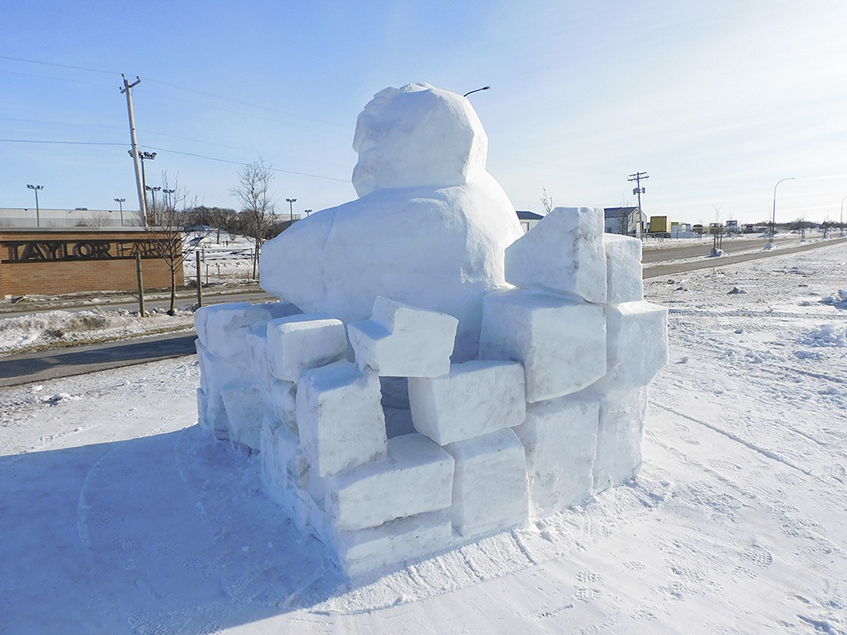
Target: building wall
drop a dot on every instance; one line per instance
(53, 261)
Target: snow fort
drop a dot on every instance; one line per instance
(431, 374)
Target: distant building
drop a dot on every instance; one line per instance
(528, 220)
(628, 221)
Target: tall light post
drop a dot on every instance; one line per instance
(142, 157)
(291, 202)
(121, 201)
(308, 211)
(37, 213)
(841, 222)
(152, 191)
(773, 217)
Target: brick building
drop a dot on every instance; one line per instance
(67, 260)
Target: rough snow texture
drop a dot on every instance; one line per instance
(339, 418)
(624, 277)
(462, 407)
(560, 439)
(565, 255)
(301, 342)
(637, 344)
(560, 340)
(490, 485)
(415, 477)
(448, 409)
(430, 227)
(619, 437)
(403, 341)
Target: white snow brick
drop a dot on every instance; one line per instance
(560, 440)
(560, 341)
(403, 341)
(415, 477)
(624, 277)
(339, 418)
(619, 438)
(394, 542)
(300, 342)
(489, 485)
(282, 395)
(563, 252)
(473, 399)
(245, 410)
(214, 374)
(637, 344)
(223, 327)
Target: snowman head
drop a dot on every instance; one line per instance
(417, 136)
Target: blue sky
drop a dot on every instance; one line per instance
(716, 101)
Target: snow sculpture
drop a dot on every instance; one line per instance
(429, 229)
(420, 402)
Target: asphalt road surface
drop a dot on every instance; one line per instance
(16, 370)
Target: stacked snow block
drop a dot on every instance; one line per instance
(551, 413)
(589, 345)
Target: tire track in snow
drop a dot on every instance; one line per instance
(729, 435)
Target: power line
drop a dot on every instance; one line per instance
(188, 154)
(201, 156)
(72, 143)
(76, 68)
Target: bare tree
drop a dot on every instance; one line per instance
(257, 204)
(165, 225)
(96, 219)
(546, 201)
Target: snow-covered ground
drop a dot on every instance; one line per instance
(117, 514)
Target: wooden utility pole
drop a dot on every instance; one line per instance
(140, 284)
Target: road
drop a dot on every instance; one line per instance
(703, 248)
(41, 366)
(183, 301)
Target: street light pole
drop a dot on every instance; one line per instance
(120, 201)
(773, 217)
(153, 191)
(291, 202)
(476, 90)
(841, 222)
(37, 213)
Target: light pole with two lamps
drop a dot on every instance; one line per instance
(290, 202)
(37, 213)
(773, 218)
(121, 201)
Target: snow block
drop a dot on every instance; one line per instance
(245, 410)
(473, 399)
(394, 542)
(215, 373)
(223, 327)
(415, 477)
(563, 253)
(339, 418)
(619, 438)
(489, 485)
(637, 344)
(282, 395)
(624, 277)
(560, 341)
(560, 440)
(300, 342)
(403, 341)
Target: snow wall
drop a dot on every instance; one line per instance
(434, 375)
